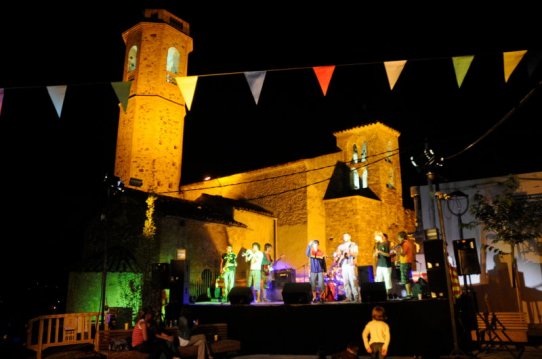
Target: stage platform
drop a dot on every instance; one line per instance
(418, 327)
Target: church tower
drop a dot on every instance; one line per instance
(151, 127)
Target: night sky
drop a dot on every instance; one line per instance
(53, 168)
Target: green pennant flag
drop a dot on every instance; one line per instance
(122, 90)
(461, 67)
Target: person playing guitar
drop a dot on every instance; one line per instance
(267, 269)
(228, 267)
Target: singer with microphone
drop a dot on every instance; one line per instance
(255, 257)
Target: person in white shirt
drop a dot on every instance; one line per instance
(345, 257)
(376, 334)
(255, 257)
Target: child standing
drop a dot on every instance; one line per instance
(376, 334)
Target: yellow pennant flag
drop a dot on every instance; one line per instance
(323, 74)
(393, 70)
(511, 60)
(187, 85)
(461, 67)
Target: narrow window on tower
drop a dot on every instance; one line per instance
(364, 152)
(132, 58)
(391, 179)
(365, 178)
(388, 152)
(355, 155)
(172, 65)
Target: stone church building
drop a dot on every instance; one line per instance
(356, 189)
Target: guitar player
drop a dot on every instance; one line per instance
(346, 255)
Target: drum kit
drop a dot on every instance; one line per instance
(333, 285)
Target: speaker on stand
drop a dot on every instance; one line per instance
(436, 272)
(178, 282)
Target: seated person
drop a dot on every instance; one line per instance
(184, 332)
(147, 338)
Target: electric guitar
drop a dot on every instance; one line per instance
(267, 268)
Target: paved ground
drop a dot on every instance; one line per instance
(531, 352)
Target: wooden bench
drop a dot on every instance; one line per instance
(112, 343)
(501, 330)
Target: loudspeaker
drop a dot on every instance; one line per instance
(297, 293)
(241, 295)
(436, 274)
(283, 276)
(373, 292)
(160, 275)
(365, 274)
(178, 282)
(466, 257)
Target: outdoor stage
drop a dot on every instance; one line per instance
(418, 327)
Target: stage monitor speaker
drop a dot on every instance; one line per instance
(160, 275)
(466, 257)
(373, 292)
(241, 295)
(365, 274)
(297, 293)
(178, 282)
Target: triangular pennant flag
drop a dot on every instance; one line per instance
(1, 98)
(187, 85)
(534, 59)
(255, 82)
(57, 94)
(122, 90)
(511, 59)
(393, 70)
(323, 74)
(461, 67)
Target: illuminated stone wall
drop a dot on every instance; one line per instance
(295, 192)
(205, 242)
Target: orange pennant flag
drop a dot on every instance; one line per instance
(511, 60)
(393, 70)
(187, 85)
(323, 74)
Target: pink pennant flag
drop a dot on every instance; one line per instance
(511, 60)
(461, 67)
(255, 82)
(57, 94)
(187, 85)
(1, 98)
(122, 90)
(393, 70)
(323, 74)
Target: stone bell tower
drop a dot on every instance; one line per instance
(150, 131)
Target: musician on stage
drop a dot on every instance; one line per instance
(267, 272)
(407, 260)
(345, 256)
(382, 254)
(228, 265)
(255, 257)
(318, 269)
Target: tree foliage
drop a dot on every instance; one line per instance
(512, 216)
